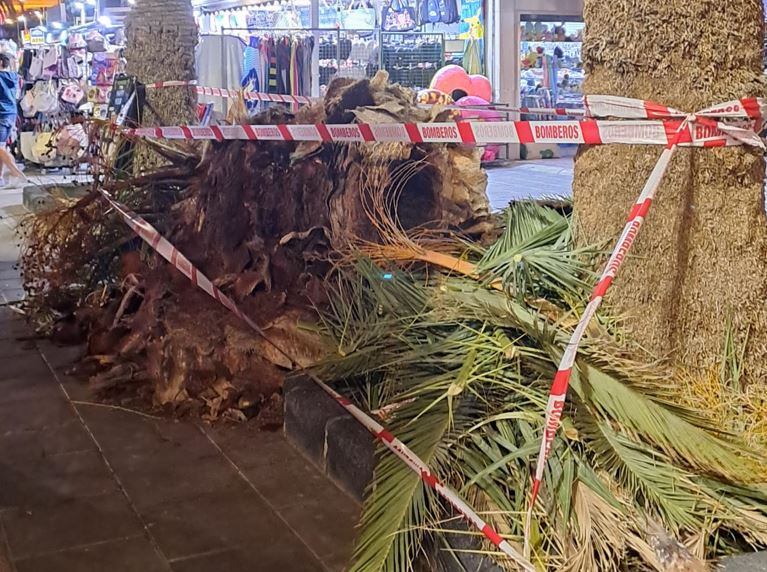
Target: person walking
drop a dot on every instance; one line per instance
(9, 85)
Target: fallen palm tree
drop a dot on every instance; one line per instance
(454, 339)
(263, 219)
(460, 353)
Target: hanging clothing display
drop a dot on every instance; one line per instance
(412, 63)
(278, 63)
(219, 61)
(472, 58)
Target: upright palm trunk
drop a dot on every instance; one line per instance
(161, 39)
(702, 255)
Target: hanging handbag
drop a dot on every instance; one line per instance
(50, 58)
(26, 142)
(96, 42)
(76, 41)
(71, 141)
(43, 151)
(46, 99)
(431, 11)
(359, 16)
(72, 94)
(448, 11)
(27, 104)
(36, 68)
(398, 16)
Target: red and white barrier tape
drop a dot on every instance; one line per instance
(596, 106)
(750, 108)
(589, 132)
(164, 248)
(304, 100)
(231, 93)
(561, 383)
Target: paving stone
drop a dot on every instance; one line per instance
(10, 283)
(248, 446)
(282, 474)
(35, 445)
(30, 365)
(756, 562)
(529, 180)
(217, 521)
(30, 414)
(307, 413)
(60, 358)
(121, 431)
(12, 326)
(325, 521)
(350, 455)
(125, 555)
(6, 565)
(12, 295)
(27, 388)
(322, 514)
(50, 480)
(9, 272)
(14, 348)
(69, 524)
(172, 473)
(259, 558)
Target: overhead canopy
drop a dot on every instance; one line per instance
(34, 4)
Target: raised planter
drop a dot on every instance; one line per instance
(345, 451)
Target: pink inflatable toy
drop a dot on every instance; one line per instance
(490, 152)
(450, 78)
(482, 115)
(480, 87)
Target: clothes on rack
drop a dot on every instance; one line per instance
(278, 63)
(219, 62)
(262, 16)
(438, 12)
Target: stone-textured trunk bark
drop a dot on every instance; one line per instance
(702, 255)
(161, 39)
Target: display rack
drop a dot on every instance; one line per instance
(410, 58)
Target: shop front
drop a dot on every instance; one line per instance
(67, 57)
(534, 49)
(297, 47)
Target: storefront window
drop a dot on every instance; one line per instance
(551, 67)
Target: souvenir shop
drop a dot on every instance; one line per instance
(541, 61)
(296, 47)
(66, 69)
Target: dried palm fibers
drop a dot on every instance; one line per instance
(702, 255)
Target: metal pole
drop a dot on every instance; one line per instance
(315, 24)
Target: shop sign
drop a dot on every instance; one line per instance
(33, 37)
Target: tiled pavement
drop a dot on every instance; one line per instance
(84, 487)
(540, 179)
(88, 488)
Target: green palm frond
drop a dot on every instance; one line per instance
(466, 371)
(535, 255)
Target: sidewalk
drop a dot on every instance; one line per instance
(87, 487)
(539, 179)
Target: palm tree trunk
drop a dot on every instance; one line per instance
(161, 39)
(702, 256)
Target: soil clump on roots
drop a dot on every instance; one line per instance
(266, 222)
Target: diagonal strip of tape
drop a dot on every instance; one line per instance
(164, 248)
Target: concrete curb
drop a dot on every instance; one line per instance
(345, 451)
(756, 562)
(330, 437)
